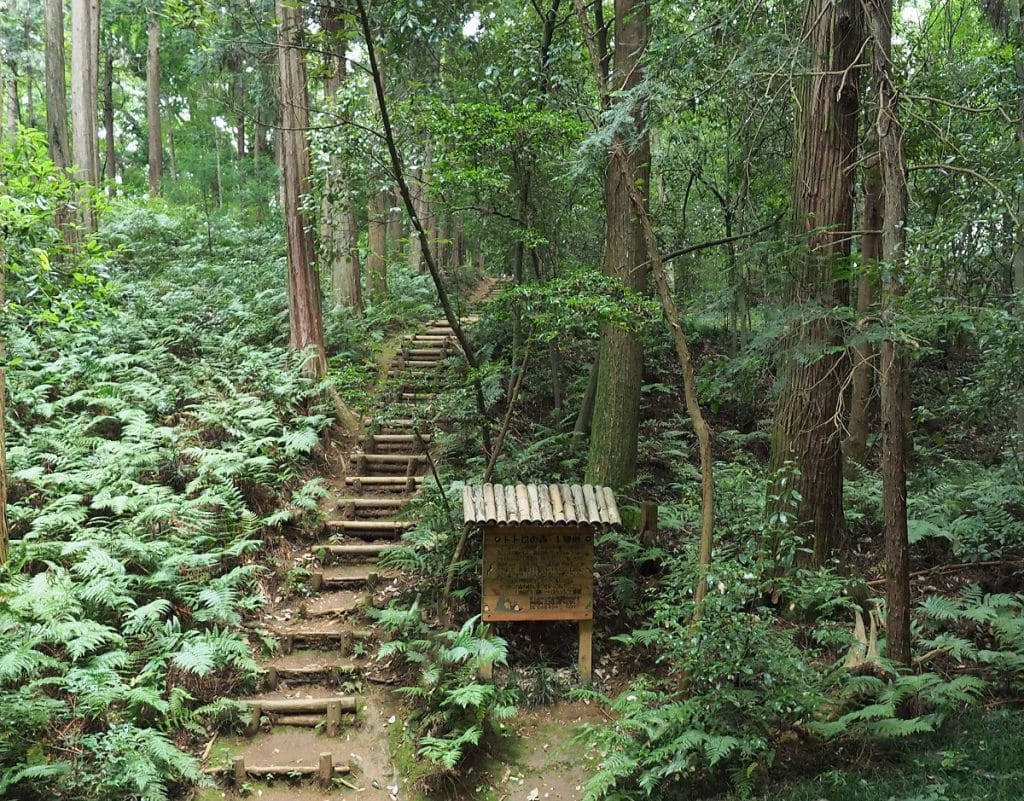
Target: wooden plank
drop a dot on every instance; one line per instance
(555, 498)
(500, 511)
(590, 502)
(533, 497)
(522, 502)
(511, 506)
(300, 705)
(490, 509)
(586, 650)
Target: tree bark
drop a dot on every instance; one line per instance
(377, 221)
(56, 84)
(84, 67)
(1016, 35)
(339, 231)
(108, 123)
(4, 533)
(156, 145)
(894, 363)
(13, 104)
(394, 226)
(420, 188)
(855, 446)
(611, 460)
(305, 315)
(376, 244)
(808, 425)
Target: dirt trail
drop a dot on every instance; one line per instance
(320, 727)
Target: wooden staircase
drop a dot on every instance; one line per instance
(305, 681)
(295, 725)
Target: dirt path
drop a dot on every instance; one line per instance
(320, 727)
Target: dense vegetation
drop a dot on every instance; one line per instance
(173, 389)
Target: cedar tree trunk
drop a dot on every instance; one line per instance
(808, 424)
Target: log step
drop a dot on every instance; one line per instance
(353, 504)
(324, 770)
(336, 603)
(278, 704)
(393, 458)
(366, 550)
(368, 525)
(417, 396)
(426, 354)
(383, 481)
(320, 632)
(306, 665)
(357, 575)
(421, 364)
(396, 438)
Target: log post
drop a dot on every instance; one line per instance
(326, 770)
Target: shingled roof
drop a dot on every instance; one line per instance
(539, 505)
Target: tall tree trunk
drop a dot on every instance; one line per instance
(13, 103)
(239, 101)
(156, 142)
(4, 535)
(421, 198)
(172, 151)
(394, 232)
(611, 460)
(56, 84)
(108, 122)
(1016, 36)
(808, 425)
(377, 221)
(339, 231)
(864, 353)
(376, 244)
(305, 315)
(84, 67)
(894, 363)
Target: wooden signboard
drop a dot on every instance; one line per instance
(538, 573)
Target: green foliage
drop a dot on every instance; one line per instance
(975, 512)
(158, 432)
(453, 707)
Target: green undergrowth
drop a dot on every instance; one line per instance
(160, 436)
(978, 757)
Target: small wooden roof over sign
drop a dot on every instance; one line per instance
(539, 505)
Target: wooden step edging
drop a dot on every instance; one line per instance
(324, 770)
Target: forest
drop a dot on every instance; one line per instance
(283, 281)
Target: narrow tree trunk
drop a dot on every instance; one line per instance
(339, 231)
(83, 102)
(611, 460)
(56, 84)
(13, 104)
(304, 308)
(808, 424)
(156, 146)
(172, 151)
(1017, 37)
(238, 93)
(586, 413)
(4, 535)
(420, 188)
(108, 122)
(394, 234)
(894, 364)
(377, 221)
(864, 353)
(376, 245)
